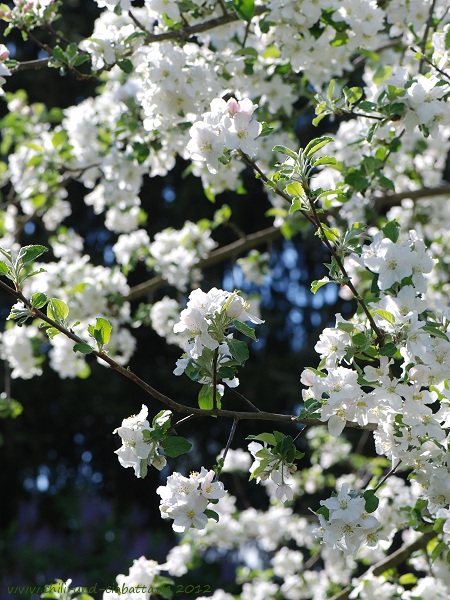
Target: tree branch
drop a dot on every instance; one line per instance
(151, 391)
(217, 256)
(192, 30)
(394, 199)
(28, 65)
(391, 561)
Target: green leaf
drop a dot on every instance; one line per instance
(103, 330)
(57, 310)
(205, 397)
(325, 160)
(295, 189)
(286, 151)
(175, 445)
(388, 349)
(360, 340)
(352, 94)
(29, 253)
(324, 511)
(268, 438)
(295, 206)
(316, 144)
(162, 419)
(238, 349)
(59, 54)
(265, 130)
(59, 138)
(245, 9)
(211, 514)
(436, 332)
(438, 550)
(245, 329)
(357, 181)
(6, 253)
(407, 579)
(38, 300)
(284, 445)
(371, 501)
(392, 230)
(3, 268)
(386, 315)
(386, 183)
(125, 65)
(318, 283)
(83, 348)
(259, 469)
(247, 51)
(143, 468)
(346, 326)
(51, 332)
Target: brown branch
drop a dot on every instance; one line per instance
(391, 561)
(423, 44)
(28, 65)
(394, 199)
(186, 32)
(217, 256)
(386, 477)
(151, 391)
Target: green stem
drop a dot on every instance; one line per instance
(349, 284)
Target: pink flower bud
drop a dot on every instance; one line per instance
(4, 52)
(233, 106)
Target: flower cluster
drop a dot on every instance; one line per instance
(4, 71)
(208, 316)
(137, 451)
(270, 464)
(31, 13)
(142, 581)
(228, 125)
(346, 523)
(175, 253)
(255, 266)
(212, 354)
(186, 499)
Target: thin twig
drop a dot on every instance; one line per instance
(221, 3)
(245, 399)
(343, 270)
(215, 357)
(137, 22)
(423, 44)
(230, 439)
(353, 113)
(251, 163)
(431, 63)
(386, 477)
(247, 31)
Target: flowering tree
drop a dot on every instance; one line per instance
(224, 84)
